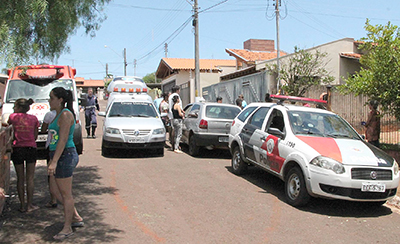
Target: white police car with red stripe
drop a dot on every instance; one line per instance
(316, 153)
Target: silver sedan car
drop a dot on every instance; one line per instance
(207, 125)
(132, 124)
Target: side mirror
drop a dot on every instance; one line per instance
(193, 115)
(102, 114)
(276, 132)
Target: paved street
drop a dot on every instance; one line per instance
(135, 197)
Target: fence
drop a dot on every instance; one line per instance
(354, 110)
(5, 154)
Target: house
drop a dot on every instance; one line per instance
(83, 85)
(181, 72)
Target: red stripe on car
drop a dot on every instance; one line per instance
(325, 146)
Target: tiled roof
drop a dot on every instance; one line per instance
(89, 83)
(251, 56)
(205, 64)
(350, 55)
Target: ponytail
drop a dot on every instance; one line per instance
(69, 102)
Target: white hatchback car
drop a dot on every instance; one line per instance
(132, 124)
(316, 153)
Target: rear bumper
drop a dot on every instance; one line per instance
(215, 140)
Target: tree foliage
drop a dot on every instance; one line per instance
(38, 30)
(302, 70)
(379, 76)
(149, 78)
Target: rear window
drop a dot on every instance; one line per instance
(221, 112)
(245, 113)
(130, 109)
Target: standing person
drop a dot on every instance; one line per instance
(239, 103)
(63, 158)
(90, 113)
(48, 118)
(177, 122)
(164, 106)
(268, 98)
(158, 101)
(219, 99)
(244, 103)
(26, 129)
(373, 124)
(175, 91)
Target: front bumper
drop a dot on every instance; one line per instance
(215, 140)
(120, 141)
(123, 145)
(327, 184)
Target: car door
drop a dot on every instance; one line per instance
(272, 137)
(250, 131)
(189, 121)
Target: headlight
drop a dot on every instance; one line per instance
(110, 130)
(396, 167)
(158, 131)
(328, 163)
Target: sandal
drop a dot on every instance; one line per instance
(51, 205)
(78, 224)
(62, 236)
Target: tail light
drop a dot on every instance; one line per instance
(203, 124)
(233, 122)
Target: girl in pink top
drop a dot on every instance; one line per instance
(24, 150)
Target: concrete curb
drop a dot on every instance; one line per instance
(395, 201)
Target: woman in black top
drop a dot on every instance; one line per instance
(178, 114)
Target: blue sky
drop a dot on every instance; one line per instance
(142, 27)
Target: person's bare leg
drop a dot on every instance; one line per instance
(65, 188)
(30, 173)
(20, 171)
(57, 195)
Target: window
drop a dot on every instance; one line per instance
(276, 120)
(245, 113)
(258, 117)
(221, 112)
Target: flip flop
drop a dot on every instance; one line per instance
(78, 224)
(62, 236)
(51, 205)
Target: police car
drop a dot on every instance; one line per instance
(316, 153)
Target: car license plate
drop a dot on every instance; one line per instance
(223, 139)
(373, 187)
(42, 138)
(136, 140)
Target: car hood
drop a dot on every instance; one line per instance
(348, 151)
(133, 123)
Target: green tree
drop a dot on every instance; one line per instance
(37, 30)
(149, 78)
(379, 76)
(302, 70)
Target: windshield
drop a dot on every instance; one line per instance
(221, 112)
(39, 93)
(131, 109)
(320, 124)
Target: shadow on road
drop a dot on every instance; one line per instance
(205, 153)
(41, 225)
(273, 185)
(132, 153)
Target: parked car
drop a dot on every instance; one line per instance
(316, 153)
(132, 123)
(207, 125)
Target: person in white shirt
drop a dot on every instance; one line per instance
(48, 118)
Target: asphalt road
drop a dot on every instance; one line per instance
(135, 197)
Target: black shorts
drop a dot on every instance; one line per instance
(22, 154)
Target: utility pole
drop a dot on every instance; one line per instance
(166, 50)
(277, 3)
(106, 70)
(134, 67)
(125, 64)
(196, 48)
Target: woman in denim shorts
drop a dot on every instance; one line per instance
(63, 158)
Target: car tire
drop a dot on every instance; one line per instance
(193, 148)
(105, 152)
(239, 167)
(295, 188)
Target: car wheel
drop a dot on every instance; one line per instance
(105, 152)
(238, 166)
(295, 188)
(193, 148)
